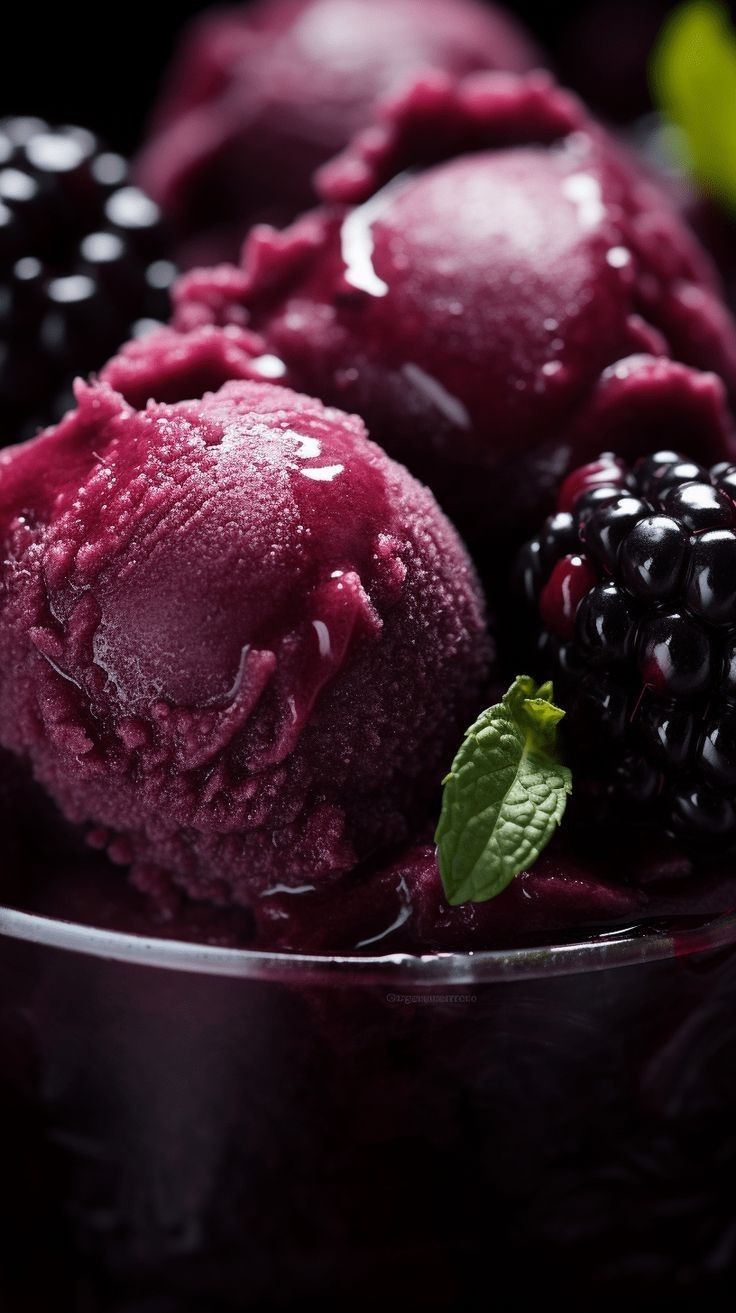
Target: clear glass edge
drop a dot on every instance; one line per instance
(621, 949)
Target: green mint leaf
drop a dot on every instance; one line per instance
(693, 79)
(504, 796)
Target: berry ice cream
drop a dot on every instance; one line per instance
(259, 97)
(169, 366)
(486, 256)
(237, 642)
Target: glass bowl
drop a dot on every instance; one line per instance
(189, 1129)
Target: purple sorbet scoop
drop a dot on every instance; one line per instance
(258, 97)
(238, 644)
(486, 255)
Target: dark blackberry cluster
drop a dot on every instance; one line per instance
(633, 581)
(82, 266)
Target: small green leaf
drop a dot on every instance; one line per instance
(504, 796)
(693, 79)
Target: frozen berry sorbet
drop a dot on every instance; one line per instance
(485, 255)
(237, 643)
(259, 97)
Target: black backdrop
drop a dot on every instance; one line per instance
(58, 62)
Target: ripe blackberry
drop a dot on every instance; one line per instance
(633, 587)
(81, 266)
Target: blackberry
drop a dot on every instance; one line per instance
(633, 588)
(82, 266)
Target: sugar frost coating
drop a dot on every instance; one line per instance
(237, 643)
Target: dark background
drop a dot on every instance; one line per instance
(62, 64)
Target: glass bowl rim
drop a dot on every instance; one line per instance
(459, 970)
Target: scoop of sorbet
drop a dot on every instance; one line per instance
(259, 97)
(237, 643)
(487, 255)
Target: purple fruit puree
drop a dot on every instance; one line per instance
(238, 644)
(258, 98)
(388, 905)
(401, 907)
(486, 258)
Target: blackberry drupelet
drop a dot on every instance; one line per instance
(633, 584)
(82, 266)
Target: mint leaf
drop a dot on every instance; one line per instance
(693, 79)
(504, 796)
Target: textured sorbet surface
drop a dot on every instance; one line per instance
(238, 644)
(258, 98)
(486, 255)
